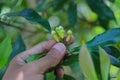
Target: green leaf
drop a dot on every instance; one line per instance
(109, 37)
(2, 34)
(49, 75)
(75, 49)
(32, 16)
(34, 57)
(104, 23)
(70, 60)
(111, 50)
(118, 77)
(1, 5)
(96, 61)
(72, 13)
(101, 9)
(73, 58)
(104, 40)
(68, 77)
(105, 14)
(113, 53)
(5, 50)
(18, 47)
(86, 63)
(112, 1)
(104, 63)
(114, 61)
(59, 4)
(58, 78)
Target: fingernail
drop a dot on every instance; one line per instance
(60, 47)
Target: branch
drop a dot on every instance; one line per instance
(21, 29)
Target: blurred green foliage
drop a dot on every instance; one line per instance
(24, 23)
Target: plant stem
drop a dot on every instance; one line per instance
(18, 27)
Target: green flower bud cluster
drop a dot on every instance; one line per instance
(59, 33)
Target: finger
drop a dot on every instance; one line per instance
(34, 77)
(42, 47)
(59, 72)
(50, 60)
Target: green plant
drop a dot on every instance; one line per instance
(21, 26)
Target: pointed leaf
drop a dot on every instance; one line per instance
(101, 9)
(5, 50)
(34, 57)
(72, 13)
(112, 51)
(86, 63)
(105, 13)
(111, 36)
(104, 63)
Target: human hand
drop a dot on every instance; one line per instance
(19, 70)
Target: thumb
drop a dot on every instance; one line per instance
(51, 59)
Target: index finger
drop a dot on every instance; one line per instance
(39, 48)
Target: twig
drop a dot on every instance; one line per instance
(22, 29)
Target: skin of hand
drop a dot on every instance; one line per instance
(19, 70)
